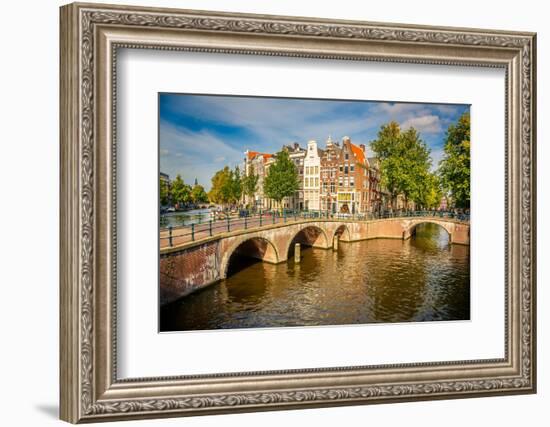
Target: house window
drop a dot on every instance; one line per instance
(346, 169)
(316, 170)
(352, 182)
(341, 168)
(352, 168)
(346, 156)
(316, 182)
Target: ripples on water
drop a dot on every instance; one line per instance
(384, 280)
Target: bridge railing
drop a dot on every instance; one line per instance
(171, 236)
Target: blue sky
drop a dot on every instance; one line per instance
(200, 134)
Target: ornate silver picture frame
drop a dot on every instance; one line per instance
(91, 35)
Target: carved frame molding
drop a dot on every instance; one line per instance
(90, 37)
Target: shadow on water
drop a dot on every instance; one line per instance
(238, 262)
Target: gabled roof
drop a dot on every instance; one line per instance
(359, 154)
(253, 154)
(294, 148)
(266, 156)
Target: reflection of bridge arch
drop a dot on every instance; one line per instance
(343, 233)
(252, 247)
(410, 228)
(310, 235)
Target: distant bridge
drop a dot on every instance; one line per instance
(198, 262)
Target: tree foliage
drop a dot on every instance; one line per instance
(282, 178)
(250, 183)
(218, 191)
(164, 192)
(454, 169)
(236, 186)
(404, 164)
(180, 192)
(431, 193)
(198, 195)
(226, 186)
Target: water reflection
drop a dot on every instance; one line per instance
(421, 279)
(177, 219)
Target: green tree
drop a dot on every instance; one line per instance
(236, 190)
(221, 187)
(198, 195)
(164, 192)
(418, 181)
(386, 147)
(431, 194)
(181, 192)
(226, 187)
(404, 162)
(282, 178)
(250, 184)
(454, 169)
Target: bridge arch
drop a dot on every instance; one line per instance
(257, 247)
(410, 229)
(343, 233)
(309, 235)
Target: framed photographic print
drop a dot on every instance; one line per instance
(266, 212)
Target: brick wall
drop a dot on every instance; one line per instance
(183, 272)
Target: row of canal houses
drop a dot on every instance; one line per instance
(338, 178)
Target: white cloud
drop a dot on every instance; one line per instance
(400, 109)
(194, 154)
(266, 124)
(427, 124)
(275, 122)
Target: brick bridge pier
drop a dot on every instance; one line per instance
(195, 265)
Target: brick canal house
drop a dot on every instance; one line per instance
(297, 155)
(329, 176)
(338, 179)
(353, 182)
(312, 174)
(256, 162)
(377, 198)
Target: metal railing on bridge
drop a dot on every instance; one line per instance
(243, 220)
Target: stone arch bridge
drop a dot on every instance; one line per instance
(194, 265)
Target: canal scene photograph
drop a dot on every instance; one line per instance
(292, 212)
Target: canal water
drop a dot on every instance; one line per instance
(424, 278)
(177, 219)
